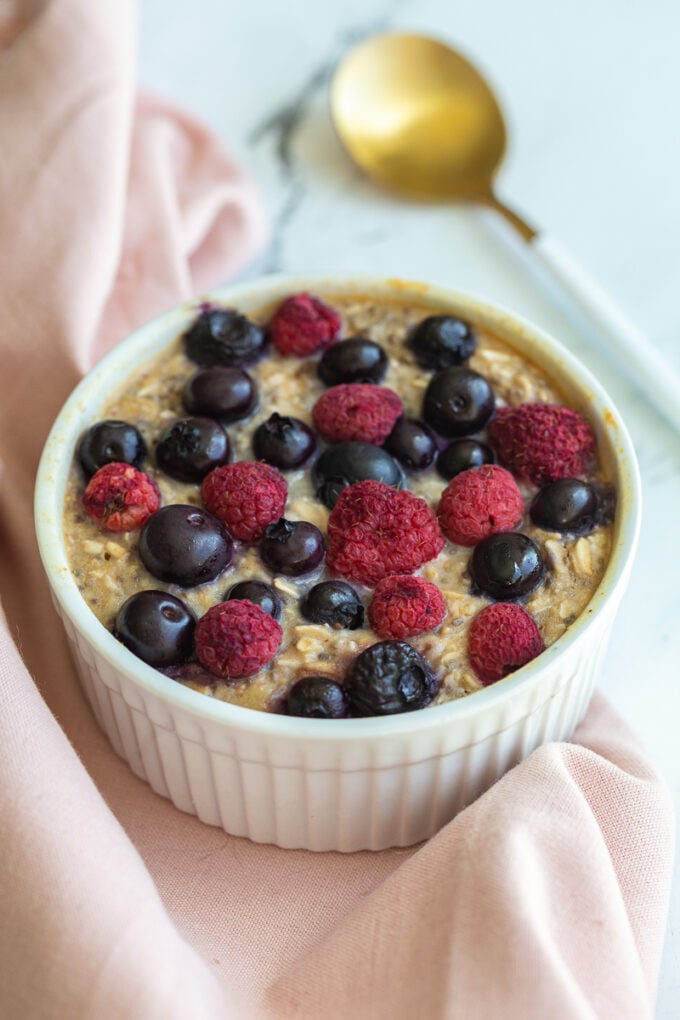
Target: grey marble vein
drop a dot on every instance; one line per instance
(282, 125)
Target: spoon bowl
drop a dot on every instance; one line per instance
(419, 118)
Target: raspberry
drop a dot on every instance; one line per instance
(502, 638)
(404, 605)
(375, 530)
(479, 502)
(303, 325)
(236, 639)
(246, 496)
(357, 411)
(543, 442)
(121, 498)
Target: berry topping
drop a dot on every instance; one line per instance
(334, 603)
(389, 677)
(462, 454)
(441, 341)
(374, 531)
(543, 442)
(185, 545)
(237, 639)
(404, 605)
(606, 503)
(345, 463)
(283, 442)
(506, 566)
(220, 391)
(191, 447)
(317, 697)
(567, 505)
(358, 411)
(479, 502)
(156, 627)
(292, 547)
(303, 325)
(412, 443)
(502, 638)
(246, 496)
(458, 402)
(260, 593)
(221, 336)
(121, 498)
(354, 360)
(110, 441)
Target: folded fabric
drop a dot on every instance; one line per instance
(545, 898)
(15, 15)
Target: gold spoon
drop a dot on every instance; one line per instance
(419, 119)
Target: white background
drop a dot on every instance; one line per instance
(591, 91)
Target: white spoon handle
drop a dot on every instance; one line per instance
(632, 352)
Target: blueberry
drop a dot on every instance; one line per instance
(441, 341)
(462, 454)
(355, 360)
(185, 545)
(156, 627)
(458, 402)
(220, 391)
(389, 677)
(292, 547)
(334, 603)
(345, 463)
(221, 336)
(259, 592)
(108, 442)
(283, 442)
(317, 697)
(506, 566)
(606, 503)
(413, 443)
(567, 505)
(191, 447)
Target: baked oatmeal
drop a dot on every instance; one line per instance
(361, 481)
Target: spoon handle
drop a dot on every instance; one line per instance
(633, 353)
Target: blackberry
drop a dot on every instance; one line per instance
(221, 336)
(389, 677)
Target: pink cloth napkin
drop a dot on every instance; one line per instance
(547, 897)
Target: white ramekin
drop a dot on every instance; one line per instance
(333, 785)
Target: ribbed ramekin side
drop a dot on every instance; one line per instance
(285, 794)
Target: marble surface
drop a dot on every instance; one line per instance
(589, 92)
